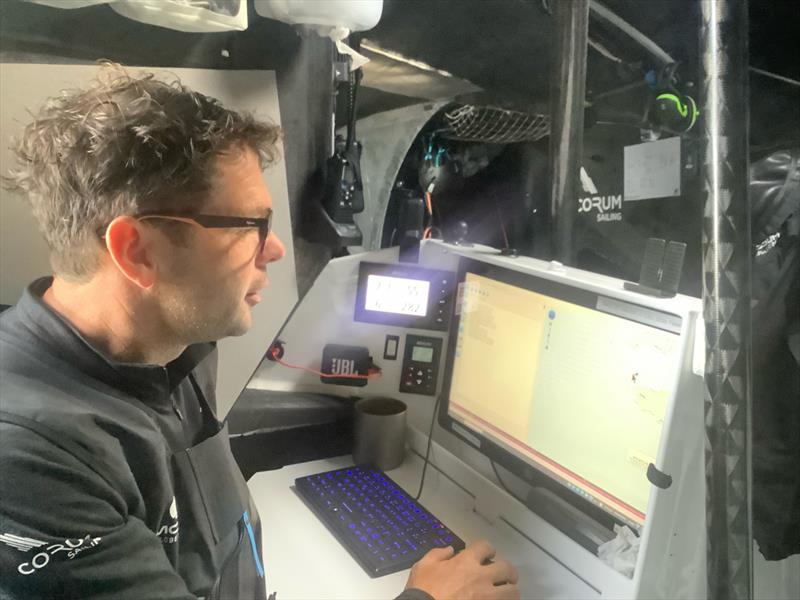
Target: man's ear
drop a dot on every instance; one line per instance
(130, 247)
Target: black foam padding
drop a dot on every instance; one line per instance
(650, 275)
(271, 429)
(265, 411)
(672, 267)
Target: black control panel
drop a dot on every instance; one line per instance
(404, 296)
(421, 365)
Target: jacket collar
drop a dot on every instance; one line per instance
(34, 320)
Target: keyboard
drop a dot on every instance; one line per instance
(382, 527)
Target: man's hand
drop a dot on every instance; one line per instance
(469, 576)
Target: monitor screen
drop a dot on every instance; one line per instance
(573, 383)
(397, 295)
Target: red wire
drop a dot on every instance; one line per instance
(372, 374)
(428, 232)
(429, 203)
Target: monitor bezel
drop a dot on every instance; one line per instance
(528, 472)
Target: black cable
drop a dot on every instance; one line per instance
(504, 486)
(428, 451)
(354, 77)
(352, 95)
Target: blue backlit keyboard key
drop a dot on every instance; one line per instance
(380, 525)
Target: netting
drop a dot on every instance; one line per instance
(470, 123)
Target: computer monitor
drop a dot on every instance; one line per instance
(562, 385)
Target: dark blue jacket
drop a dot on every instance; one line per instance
(116, 480)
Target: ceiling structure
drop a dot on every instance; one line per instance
(502, 47)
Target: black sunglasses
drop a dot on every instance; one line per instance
(263, 225)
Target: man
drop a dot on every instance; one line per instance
(117, 479)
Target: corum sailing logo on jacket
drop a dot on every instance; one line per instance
(24, 544)
(68, 549)
(168, 532)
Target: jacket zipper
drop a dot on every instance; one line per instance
(175, 408)
(215, 589)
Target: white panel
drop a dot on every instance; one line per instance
(23, 252)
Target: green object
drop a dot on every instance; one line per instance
(681, 107)
(686, 109)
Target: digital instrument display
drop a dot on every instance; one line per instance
(422, 354)
(397, 295)
(401, 295)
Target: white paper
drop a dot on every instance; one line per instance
(653, 169)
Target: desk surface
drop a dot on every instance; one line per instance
(304, 561)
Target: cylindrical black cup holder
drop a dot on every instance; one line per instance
(379, 433)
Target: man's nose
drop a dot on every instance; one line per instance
(273, 250)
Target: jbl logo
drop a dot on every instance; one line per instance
(343, 366)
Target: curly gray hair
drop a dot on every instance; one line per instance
(124, 145)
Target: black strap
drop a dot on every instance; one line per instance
(69, 446)
(786, 203)
(211, 423)
(658, 478)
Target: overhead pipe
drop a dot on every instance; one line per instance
(567, 98)
(727, 255)
(600, 12)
